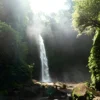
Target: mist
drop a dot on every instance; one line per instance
(64, 50)
(40, 51)
(67, 54)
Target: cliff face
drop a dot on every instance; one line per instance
(68, 56)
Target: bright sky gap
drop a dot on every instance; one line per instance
(49, 6)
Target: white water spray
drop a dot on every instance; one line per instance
(44, 61)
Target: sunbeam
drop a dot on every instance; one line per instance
(48, 6)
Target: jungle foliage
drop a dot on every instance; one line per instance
(86, 19)
(15, 69)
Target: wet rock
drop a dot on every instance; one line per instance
(81, 92)
(96, 98)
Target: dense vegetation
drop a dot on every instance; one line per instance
(86, 19)
(15, 69)
(18, 53)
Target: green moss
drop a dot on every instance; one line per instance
(94, 60)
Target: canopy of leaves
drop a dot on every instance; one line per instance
(8, 37)
(15, 15)
(86, 16)
(86, 19)
(13, 69)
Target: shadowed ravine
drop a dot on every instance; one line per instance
(49, 49)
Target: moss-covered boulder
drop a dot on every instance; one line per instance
(82, 92)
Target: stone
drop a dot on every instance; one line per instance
(96, 98)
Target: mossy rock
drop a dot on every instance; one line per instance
(82, 92)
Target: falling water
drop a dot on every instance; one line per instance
(44, 61)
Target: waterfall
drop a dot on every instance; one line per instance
(44, 61)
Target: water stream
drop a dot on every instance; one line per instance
(44, 61)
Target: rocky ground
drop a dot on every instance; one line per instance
(55, 91)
